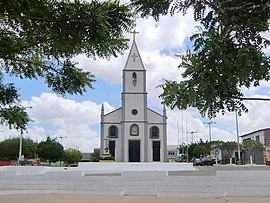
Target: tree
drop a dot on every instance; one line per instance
(38, 39)
(9, 148)
(50, 150)
(199, 149)
(228, 149)
(95, 156)
(251, 146)
(216, 147)
(227, 53)
(72, 155)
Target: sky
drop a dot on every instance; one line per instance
(74, 120)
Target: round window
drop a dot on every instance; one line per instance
(134, 112)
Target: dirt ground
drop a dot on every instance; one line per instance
(57, 198)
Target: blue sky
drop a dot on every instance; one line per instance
(77, 117)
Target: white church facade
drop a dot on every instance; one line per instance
(133, 132)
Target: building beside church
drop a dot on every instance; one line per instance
(263, 136)
(133, 132)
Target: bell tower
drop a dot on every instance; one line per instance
(134, 103)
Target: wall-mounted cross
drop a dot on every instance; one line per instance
(134, 32)
(134, 57)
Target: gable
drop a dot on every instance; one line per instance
(154, 117)
(134, 61)
(114, 116)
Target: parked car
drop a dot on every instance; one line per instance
(196, 162)
(5, 163)
(204, 162)
(207, 162)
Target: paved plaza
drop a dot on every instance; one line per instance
(216, 181)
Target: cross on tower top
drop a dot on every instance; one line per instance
(134, 32)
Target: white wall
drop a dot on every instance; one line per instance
(253, 136)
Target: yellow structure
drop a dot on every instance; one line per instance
(106, 156)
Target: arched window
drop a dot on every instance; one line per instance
(134, 78)
(134, 130)
(154, 132)
(113, 131)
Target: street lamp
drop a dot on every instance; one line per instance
(20, 147)
(237, 134)
(61, 138)
(209, 124)
(192, 132)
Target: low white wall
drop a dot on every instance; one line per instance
(118, 167)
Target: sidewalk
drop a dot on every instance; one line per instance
(54, 198)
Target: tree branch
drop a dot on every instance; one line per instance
(252, 98)
(29, 17)
(34, 63)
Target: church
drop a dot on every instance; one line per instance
(133, 132)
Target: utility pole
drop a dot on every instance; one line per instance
(21, 138)
(182, 132)
(209, 126)
(61, 138)
(178, 134)
(192, 132)
(178, 146)
(237, 134)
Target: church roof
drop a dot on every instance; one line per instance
(134, 61)
(158, 114)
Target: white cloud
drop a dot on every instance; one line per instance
(76, 122)
(36, 133)
(80, 137)
(159, 67)
(52, 109)
(182, 123)
(168, 33)
(108, 70)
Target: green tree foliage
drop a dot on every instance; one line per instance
(50, 150)
(228, 149)
(72, 155)
(216, 148)
(227, 53)
(38, 39)
(95, 156)
(9, 149)
(199, 149)
(203, 149)
(251, 146)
